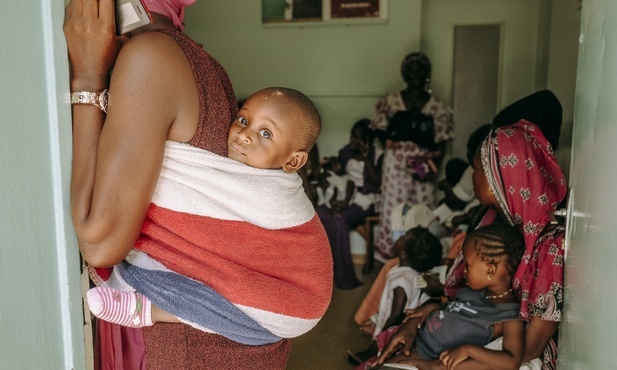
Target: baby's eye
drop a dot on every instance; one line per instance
(265, 134)
(243, 121)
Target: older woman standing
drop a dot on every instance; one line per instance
(399, 183)
(517, 177)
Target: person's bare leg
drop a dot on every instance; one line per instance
(158, 315)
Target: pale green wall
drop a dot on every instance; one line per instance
(40, 309)
(343, 68)
(589, 328)
(539, 50)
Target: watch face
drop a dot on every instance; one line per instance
(103, 99)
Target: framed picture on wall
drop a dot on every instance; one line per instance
(322, 11)
(292, 10)
(355, 9)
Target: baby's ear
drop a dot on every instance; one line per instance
(296, 160)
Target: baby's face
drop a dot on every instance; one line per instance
(263, 135)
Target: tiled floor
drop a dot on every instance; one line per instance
(324, 347)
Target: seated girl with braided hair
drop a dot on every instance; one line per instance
(483, 311)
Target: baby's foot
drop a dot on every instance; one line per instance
(123, 308)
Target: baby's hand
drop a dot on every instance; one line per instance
(452, 357)
(367, 328)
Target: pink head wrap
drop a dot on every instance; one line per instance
(172, 9)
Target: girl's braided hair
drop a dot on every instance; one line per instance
(499, 241)
(423, 249)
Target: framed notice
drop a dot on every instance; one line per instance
(355, 9)
(322, 11)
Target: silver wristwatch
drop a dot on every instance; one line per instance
(98, 99)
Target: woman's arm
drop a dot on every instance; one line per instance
(509, 358)
(537, 336)
(117, 158)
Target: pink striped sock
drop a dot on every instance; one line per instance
(123, 308)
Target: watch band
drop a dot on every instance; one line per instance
(98, 99)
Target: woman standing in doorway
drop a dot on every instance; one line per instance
(164, 88)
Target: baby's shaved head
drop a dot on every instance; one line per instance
(309, 120)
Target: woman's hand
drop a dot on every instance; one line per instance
(421, 313)
(401, 341)
(420, 364)
(90, 31)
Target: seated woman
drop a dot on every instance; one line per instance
(516, 176)
(362, 164)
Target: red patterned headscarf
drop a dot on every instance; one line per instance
(524, 176)
(172, 9)
(527, 182)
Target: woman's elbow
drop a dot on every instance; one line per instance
(100, 248)
(532, 353)
(98, 259)
(516, 363)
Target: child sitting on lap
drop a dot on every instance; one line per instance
(484, 310)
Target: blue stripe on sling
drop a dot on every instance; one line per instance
(197, 303)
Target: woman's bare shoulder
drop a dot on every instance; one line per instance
(155, 47)
(154, 61)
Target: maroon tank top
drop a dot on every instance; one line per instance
(217, 102)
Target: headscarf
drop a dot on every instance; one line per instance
(527, 182)
(542, 108)
(172, 9)
(524, 176)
